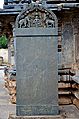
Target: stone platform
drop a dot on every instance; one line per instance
(66, 112)
(35, 117)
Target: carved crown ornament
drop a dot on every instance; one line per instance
(36, 16)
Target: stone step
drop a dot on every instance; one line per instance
(64, 85)
(35, 117)
(13, 99)
(76, 94)
(64, 100)
(12, 90)
(64, 92)
(75, 85)
(76, 102)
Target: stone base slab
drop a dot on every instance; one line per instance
(11, 116)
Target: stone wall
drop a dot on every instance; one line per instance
(4, 54)
(69, 37)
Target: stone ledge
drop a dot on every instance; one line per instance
(11, 116)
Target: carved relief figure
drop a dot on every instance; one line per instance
(23, 23)
(36, 17)
(50, 23)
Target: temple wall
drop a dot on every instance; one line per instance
(69, 38)
(4, 54)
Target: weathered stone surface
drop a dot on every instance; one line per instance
(35, 117)
(36, 62)
(36, 75)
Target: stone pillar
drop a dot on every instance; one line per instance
(9, 52)
(75, 21)
(67, 44)
(13, 49)
(0, 29)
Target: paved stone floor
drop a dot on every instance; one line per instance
(5, 106)
(69, 112)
